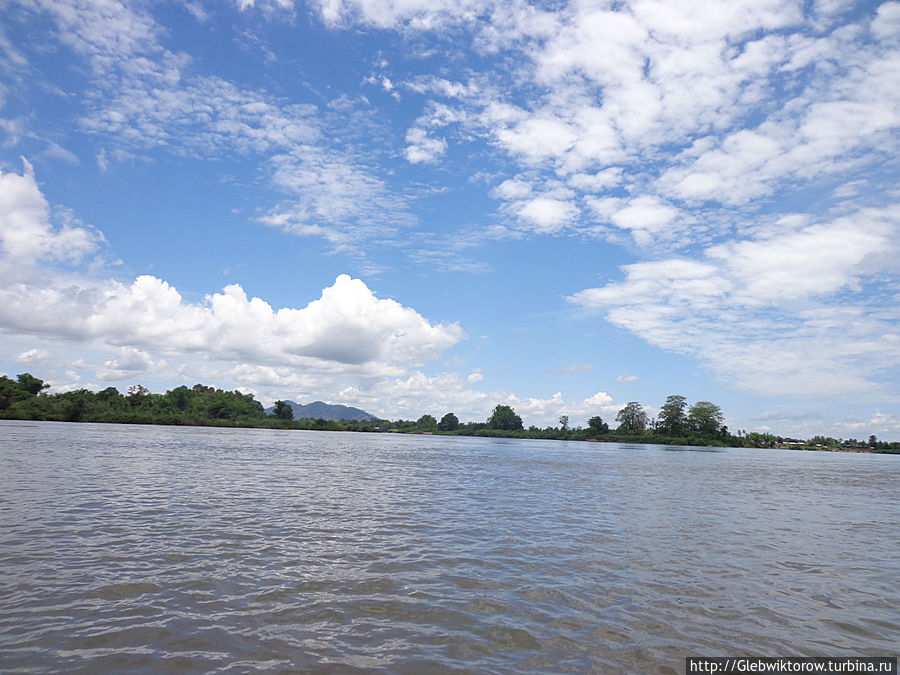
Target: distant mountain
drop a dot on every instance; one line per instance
(326, 411)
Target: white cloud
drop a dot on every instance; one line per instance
(333, 197)
(882, 423)
(106, 33)
(129, 362)
(26, 234)
(513, 189)
(196, 9)
(536, 139)
(546, 411)
(715, 103)
(817, 261)
(825, 132)
(347, 329)
(596, 182)
(410, 397)
(627, 378)
(417, 14)
(600, 399)
(647, 215)
(886, 24)
(146, 97)
(806, 424)
(422, 148)
(570, 369)
(547, 214)
(780, 315)
(35, 357)
(266, 5)
(202, 115)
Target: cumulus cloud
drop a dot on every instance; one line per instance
(347, 329)
(547, 214)
(886, 24)
(645, 217)
(26, 233)
(347, 326)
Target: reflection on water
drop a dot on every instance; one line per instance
(154, 549)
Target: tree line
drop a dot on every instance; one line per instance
(676, 423)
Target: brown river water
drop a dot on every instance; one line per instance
(143, 549)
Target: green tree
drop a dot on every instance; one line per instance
(180, 397)
(136, 395)
(73, 404)
(12, 391)
(426, 422)
(672, 420)
(109, 395)
(232, 405)
(283, 411)
(31, 384)
(449, 422)
(632, 419)
(705, 418)
(504, 418)
(564, 422)
(597, 425)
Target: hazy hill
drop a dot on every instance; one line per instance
(325, 411)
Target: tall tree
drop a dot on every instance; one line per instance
(597, 425)
(449, 422)
(31, 384)
(505, 418)
(705, 418)
(180, 397)
(632, 418)
(672, 420)
(283, 410)
(426, 422)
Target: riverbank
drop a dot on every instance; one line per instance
(700, 425)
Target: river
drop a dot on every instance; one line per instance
(147, 549)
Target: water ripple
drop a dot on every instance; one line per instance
(152, 549)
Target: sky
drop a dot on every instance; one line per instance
(425, 206)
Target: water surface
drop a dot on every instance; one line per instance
(149, 549)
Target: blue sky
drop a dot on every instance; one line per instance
(431, 205)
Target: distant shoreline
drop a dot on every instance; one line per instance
(700, 425)
(298, 425)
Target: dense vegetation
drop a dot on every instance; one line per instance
(676, 424)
